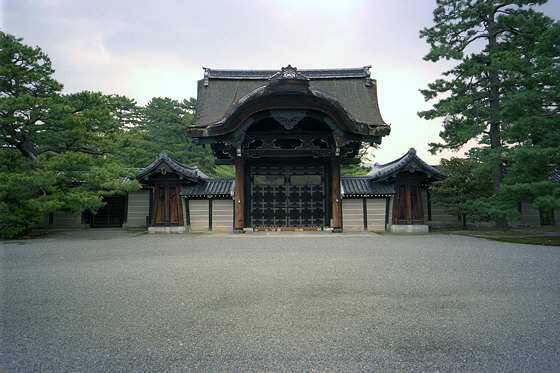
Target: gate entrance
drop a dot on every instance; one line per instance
(288, 195)
(109, 216)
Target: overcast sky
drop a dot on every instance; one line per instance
(148, 48)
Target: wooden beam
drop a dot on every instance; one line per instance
(364, 212)
(226, 162)
(239, 195)
(179, 205)
(336, 197)
(166, 206)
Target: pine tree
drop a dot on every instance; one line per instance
(59, 152)
(464, 184)
(163, 124)
(475, 96)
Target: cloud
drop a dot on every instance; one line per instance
(147, 48)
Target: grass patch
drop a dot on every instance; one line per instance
(535, 240)
(548, 236)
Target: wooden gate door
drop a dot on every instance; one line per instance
(288, 196)
(167, 206)
(407, 206)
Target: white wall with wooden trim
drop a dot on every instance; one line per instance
(376, 208)
(222, 215)
(352, 214)
(198, 213)
(390, 218)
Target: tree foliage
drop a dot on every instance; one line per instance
(504, 91)
(162, 127)
(529, 179)
(59, 152)
(465, 183)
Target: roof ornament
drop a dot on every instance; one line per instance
(206, 76)
(288, 72)
(367, 73)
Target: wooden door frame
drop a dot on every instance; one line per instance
(166, 187)
(408, 182)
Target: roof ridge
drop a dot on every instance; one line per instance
(191, 171)
(385, 170)
(330, 73)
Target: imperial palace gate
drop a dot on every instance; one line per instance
(287, 132)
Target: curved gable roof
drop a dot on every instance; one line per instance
(351, 91)
(166, 164)
(409, 162)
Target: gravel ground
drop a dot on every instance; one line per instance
(108, 300)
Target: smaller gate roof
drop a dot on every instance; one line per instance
(409, 162)
(364, 186)
(214, 187)
(164, 164)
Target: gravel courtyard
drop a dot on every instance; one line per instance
(104, 300)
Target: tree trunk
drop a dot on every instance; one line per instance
(495, 140)
(547, 217)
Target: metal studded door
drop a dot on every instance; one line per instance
(288, 196)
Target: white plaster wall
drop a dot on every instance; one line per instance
(376, 214)
(352, 215)
(222, 215)
(198, 210)
(138, 209)
(390, 220)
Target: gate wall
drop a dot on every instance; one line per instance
(198, 211)
(222, 215)
(353, 214)
(376, 211)
(138, 208)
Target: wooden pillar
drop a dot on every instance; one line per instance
(179, 206)
(151, 210)
(336, 197)
(166, 206)
(239, 195)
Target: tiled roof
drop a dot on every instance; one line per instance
(408, 162)
(555, 175)
(192, 173)
(359, 72)
(351, 92)
(363, 186)
(212, 187)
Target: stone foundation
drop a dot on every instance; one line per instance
(167, 229)
(413, 228)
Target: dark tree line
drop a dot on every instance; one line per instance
(68, 151)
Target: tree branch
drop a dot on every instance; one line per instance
(548, 114)
(468, 42)
(61, 150)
